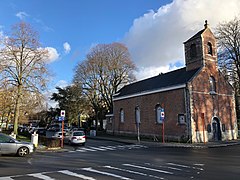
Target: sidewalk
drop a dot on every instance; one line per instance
(166, 144)
(145, 142)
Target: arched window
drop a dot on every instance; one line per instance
(137, 115)
(212, 84)
(121, 115)
(209, 48)
(193, 51)
(158, 113)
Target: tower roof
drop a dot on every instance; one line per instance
(198, 34)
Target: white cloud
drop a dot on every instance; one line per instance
(22, 15)
(52, 54)
(62, 84)
(156, 39)
(67, 47)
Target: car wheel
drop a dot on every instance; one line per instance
(69, 142)
(83, 144)
(23, 151)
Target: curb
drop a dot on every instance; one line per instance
(178, 145)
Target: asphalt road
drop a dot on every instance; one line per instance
(111, 160)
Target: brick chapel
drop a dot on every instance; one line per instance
(197, 102)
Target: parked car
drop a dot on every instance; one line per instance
(77, 137)
(9, 145)
(58, 134)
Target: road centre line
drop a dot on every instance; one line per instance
(76, 175)
(146, 168)
(105, 173)
(133, 172)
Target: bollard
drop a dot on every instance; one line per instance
(34, 139)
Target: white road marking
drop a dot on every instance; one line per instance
(41, 176)
(76, 175)
(179, 165)
(96, 148)
(184, 166)
(105, 173)
(146, 168)
(6, 178)
(88, 149)
(133, 172)
(108, 148)
(80, 150)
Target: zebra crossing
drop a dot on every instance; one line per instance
(107, 148)
(127, 171)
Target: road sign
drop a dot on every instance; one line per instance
(61, 118)
(162, 115)
(62, 114)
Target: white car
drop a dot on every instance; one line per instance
(9, 145)
(77, 137)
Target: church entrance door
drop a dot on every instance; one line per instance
(216, 129)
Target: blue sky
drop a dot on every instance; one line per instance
(153, 30)
(81, 24)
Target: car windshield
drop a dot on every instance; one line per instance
(5, 139)
(78, 133)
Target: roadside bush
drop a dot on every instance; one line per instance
(49, 142)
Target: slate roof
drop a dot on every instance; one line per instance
(170, 79)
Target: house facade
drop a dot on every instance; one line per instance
(194, 103)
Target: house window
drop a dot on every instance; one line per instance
(212, 85)
(193, 51)
(122, 115)
(158, 114)
(137, 115)
(181, 119)
(209, 48)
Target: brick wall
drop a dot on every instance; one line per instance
(173, 102)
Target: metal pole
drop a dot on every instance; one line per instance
(163, 138)
(138, 133)
(62, 133)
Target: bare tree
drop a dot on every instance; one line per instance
(23, 64)
(107, 68)
(228, 35)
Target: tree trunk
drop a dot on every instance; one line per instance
(17, 108)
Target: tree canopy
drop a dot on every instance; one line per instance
(23, 64)
(106, 69)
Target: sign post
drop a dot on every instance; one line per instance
(62, 118)
(162, 117)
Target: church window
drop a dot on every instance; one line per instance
(212, 84)
(137, 115)
(209, 48)
(122, 115)
(193, 51)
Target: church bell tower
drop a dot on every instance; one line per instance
(201, 50)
